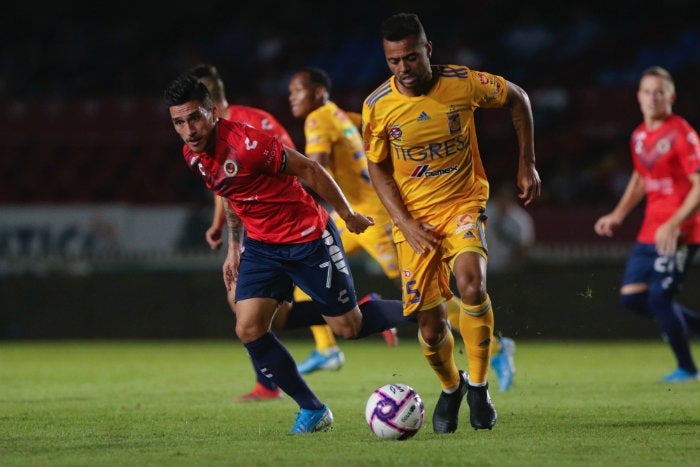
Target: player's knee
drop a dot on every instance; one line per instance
(636, 303)
(472, 289)
(347, 328)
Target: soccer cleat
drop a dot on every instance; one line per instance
(260, 393)
(389, 335)
(309, 421)
(482, 413)
(368, 297)
(446, 415)
(502, 363)
(680, 375)
(333, 360)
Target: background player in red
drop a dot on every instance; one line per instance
(289, 238)
(666, 156)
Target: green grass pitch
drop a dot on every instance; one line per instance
(169, 403)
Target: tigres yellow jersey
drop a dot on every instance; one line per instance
(431, 139)
(330, 130)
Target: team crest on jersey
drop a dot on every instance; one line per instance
(311, 123)
(395, 132)
(230, 168)
(454, 121)
(663, 146)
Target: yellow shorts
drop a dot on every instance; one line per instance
(425, 278)
(377, 241)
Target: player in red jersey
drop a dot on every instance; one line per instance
(209, 75)
(666, 156)
(289, 238)
(264, 389)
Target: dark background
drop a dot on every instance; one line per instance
(81, 120)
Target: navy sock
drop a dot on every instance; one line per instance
(380, 315)
(692, 319)
(377, 316)
(637, 303)
(273, 361)
(670, 320)
(303, 315)
(261, 379)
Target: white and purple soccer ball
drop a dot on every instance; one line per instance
(394, 411)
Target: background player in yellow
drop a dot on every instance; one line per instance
(333, 140)
(424, 162)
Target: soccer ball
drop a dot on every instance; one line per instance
(394, 411)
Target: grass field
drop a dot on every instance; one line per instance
(168, 404)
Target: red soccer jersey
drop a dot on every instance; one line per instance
(246, 169)
(664, 158)
(261, 120)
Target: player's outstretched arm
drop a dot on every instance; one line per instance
(313, 175)
(528, 180)
(418, 234)
(606, 225)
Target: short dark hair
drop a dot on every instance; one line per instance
(215, 82)
(402, 25)
(186, 88)
(318, 77)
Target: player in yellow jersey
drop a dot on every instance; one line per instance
(333, 140)
(424, 162)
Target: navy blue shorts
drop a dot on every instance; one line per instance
(319, 267)
(667, 273)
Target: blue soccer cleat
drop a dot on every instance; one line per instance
(503, 364)
(309, 421)
(679, 375)
(332, 360)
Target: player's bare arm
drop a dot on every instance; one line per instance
(213, 233)
(634, 193)
(313, 175)
(528, 180)
(667, 234)
(235, 247)
(418, 234)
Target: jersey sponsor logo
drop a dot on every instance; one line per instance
(662, 185)
(435, 150)
(423, 117)
(230, 168)
(423, 171)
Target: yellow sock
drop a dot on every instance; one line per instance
(323, 335)
(476, 327)
(454, 309)
(495, 345)
(442, 360)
